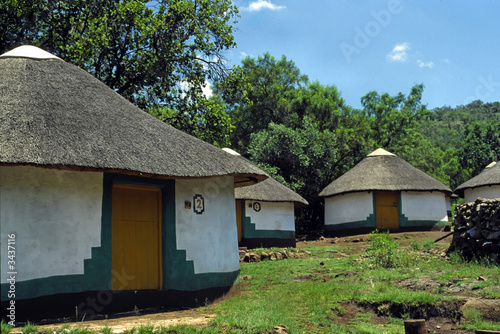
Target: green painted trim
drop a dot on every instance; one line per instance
(369, 222)
(405, 222)
(249, 231)
(178, 273)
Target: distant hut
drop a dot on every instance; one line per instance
(108, 208)
(265, 213)
(485, 185)
(384, 191)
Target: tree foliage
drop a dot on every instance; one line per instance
(258, 93)
(481, 146)
(158, 54)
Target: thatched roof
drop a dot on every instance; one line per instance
(269, 190)
(382, 170)
(489, 176)
(53, 114)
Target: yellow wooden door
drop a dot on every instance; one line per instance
(136, 237)
(387, 209)
(239, 203)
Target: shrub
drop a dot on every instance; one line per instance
(383, 250)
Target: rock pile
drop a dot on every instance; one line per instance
(257, 256)
(477, 230)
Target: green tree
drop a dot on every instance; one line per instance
(258, 93)
(480, 146)
(302, 159)
(395, 123)
(158, 54)
(392, 118)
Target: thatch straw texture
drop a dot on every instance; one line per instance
(269, 190)
(383, 172)
(488, 177)
(56, 115)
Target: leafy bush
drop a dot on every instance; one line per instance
(383, 250)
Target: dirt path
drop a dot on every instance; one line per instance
(191, 317)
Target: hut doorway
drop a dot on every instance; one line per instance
(239, 204)
(136, 237)
(387, 209)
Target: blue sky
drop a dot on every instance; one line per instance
(452, 47)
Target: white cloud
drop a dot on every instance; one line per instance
(399, 52)
(207, 90)
(428, 65)
(263, 4)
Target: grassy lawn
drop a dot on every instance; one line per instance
(331, 290)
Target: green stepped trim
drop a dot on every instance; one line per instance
(369, 222)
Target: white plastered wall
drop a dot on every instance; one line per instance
(483, 192)
(210, 239)
(347, 208)
(428, 206)
(55, 216)
(273, 216)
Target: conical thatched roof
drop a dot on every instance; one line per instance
(56, 115)
(489, 176)
(269, 190)
(382, 170)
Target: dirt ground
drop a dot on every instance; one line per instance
(353, 244)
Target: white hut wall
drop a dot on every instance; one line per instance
(349, 211)
(423, 209)
(486, 192)
(206, 230)
(55, 217)
(271, 216)
(267, 224)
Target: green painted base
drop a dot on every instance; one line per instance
(267, 242)
(103, 304)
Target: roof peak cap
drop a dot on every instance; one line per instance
(379, 152)
(230, 151)
(491, 164)
(28, 51)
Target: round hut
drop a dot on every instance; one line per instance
(108, 208)
(485, 185)
(384, 192)
(265, 214)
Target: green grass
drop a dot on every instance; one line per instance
(316, 293)
(5, 327)
(474, 321)
(29, 329)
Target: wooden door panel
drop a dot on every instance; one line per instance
(239, 203)
(387, 209)
(136, 236)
